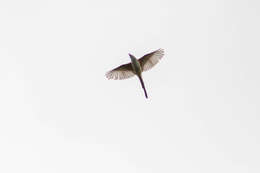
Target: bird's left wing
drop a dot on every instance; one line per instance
(151, 59)
(122, 72)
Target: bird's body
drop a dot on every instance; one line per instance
(136, 67)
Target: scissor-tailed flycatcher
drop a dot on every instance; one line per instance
(136, 67)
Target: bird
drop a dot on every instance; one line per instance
(136, 67)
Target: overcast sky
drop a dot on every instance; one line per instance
(59, 114)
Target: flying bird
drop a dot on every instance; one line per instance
(136, 67)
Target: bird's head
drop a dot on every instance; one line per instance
(131, 56)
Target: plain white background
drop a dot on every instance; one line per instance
(59, 114)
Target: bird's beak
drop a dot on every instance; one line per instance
(131, 56)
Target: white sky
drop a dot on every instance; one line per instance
(59, 114)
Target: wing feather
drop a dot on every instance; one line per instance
(149, 60)
(122, 72)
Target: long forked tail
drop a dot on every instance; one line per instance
(142, 83)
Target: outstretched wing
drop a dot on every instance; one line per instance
(151, 59)
(122, 72)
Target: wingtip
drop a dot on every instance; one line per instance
(161, 50)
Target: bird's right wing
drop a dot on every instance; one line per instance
(149, 60)
(122, 72)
